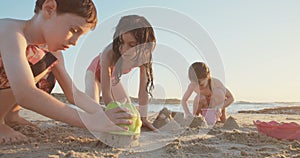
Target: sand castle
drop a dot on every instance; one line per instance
(167, 117)
(127, 138)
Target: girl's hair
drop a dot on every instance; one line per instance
(82, 8)
(199, 70)
(143, 32)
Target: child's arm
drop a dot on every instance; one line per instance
(105, 76)
(229, 98)
(92, 86)
(143, 98)
(71, 92)
(218, 94)
(184, 100)
(30, 97)
(81, 100)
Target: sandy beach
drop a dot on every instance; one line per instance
(238, 137)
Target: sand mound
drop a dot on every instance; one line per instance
(193, 122)
(231, 124)
(165, 122)
(163, 118)
(198, 122)
(173, 119)
(172, 126)
(120, 141)
(179, 118)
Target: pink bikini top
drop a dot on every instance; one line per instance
(95, 67)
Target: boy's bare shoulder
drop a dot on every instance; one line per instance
(11, 28)
(10, 25)
(11, 31)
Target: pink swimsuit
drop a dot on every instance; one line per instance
(40, 60)
(95, 67)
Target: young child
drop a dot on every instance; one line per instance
(132, 46)
(56, 25)
(210, 91)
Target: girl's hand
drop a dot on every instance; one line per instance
(147, 124)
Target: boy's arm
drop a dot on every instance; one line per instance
(27, 95)
(184, 100)
(108, 118)
(15, 63)
(23, 86)
(72, 93)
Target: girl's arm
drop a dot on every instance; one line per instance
(92, 86)
(229, 98)
(218, 94)
(92, 82)
(105, 76)
(184, 100)
(143, 98)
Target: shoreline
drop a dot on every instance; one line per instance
(62, 97)
(295, 110)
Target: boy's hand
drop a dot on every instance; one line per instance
(106, 121)
(119, 115)
(125, 116)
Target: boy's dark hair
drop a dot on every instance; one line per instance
(82, 8)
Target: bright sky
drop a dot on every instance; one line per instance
(257, 42)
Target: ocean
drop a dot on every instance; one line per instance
(232, 109)
(175, 106)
